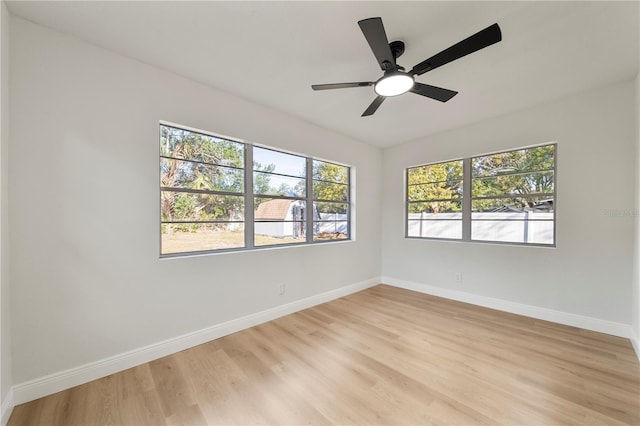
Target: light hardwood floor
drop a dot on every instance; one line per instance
(380, 356)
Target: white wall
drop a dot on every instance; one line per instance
(589, 273)
(5, 294)
(84, 201)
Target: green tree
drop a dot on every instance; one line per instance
(330, 182)
(442, 181)
(195, 161)
(524, 175)
(262, 181)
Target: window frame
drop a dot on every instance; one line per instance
(249, 196)
(467, 198)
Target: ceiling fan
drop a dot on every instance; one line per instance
(395, 80)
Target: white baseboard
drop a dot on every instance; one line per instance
(47, 385)
(566, 318)
(7, 407)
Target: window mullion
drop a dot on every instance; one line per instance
(466, 199)
(309, 206)
(248, 197)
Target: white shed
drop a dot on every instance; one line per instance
(281, 218)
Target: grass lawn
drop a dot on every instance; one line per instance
(180, 242)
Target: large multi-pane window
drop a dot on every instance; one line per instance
(507, 197)
(220, 194)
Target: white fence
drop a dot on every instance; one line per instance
(516, 227)
(332, 223)
(335, 223)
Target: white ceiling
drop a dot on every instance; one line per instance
(271, 53)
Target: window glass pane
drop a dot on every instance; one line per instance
(517, 220)
(330, 191)
(267, 160)
(185, 206)
(330, 230)
(330, 221)
(190, 237)
(184, 144)
(435, 191)
(533, 205)
(523, 160)
(514, 184)
(513, 231)
(330, 172)
(322, 209)
(451, 229)
(452, 209)
(435, 219)
(523, 217)
(270, 184)
(190, 175)
(270, 233)
(440, 172)
(279, 221)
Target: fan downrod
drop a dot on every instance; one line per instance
(397, 48)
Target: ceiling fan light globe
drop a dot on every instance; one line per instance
(394, 84)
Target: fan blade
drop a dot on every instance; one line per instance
(433, 92)
(479, 40)
(373, 107)
(341, 85)
(373, 31)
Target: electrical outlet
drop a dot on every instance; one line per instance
(281, 288)
(458, 277)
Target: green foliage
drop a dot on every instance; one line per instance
(194, 161)
(333, 208)
(183, 144)
(200, 162)
(330, 183)
(330, 172)
(262, 180)
(513, 174)
(184, 205)
(442, 181)
(516, 173)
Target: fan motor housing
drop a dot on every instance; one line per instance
(397, 48)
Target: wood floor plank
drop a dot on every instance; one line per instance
(381, 356)
(175, 394)
(141, 409)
